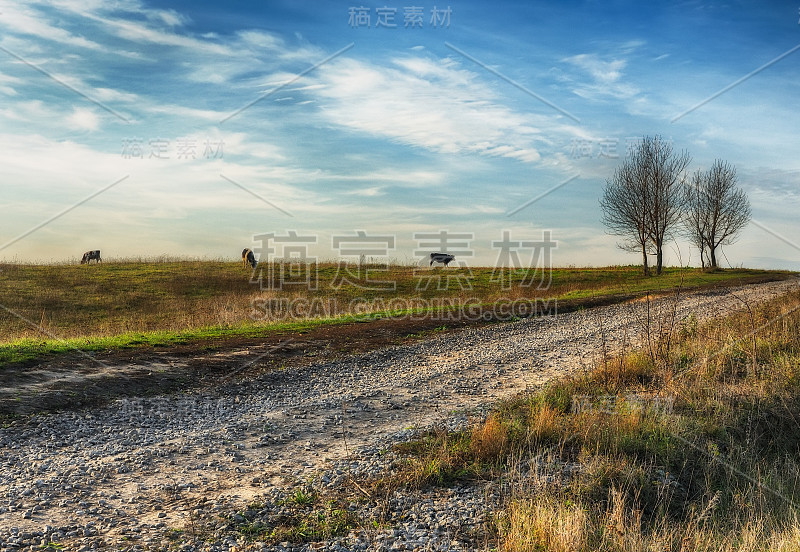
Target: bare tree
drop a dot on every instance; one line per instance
(644, 199)
(625, 205)
(716, 210)
(663, 172)
(696, 221)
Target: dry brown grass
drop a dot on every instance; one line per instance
(737, 422)
(490, 440)
(698, 451)
(544, 523)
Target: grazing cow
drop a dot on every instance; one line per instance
(91, 255)
(248, 258)
(444, 258)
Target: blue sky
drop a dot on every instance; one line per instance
(202, 124)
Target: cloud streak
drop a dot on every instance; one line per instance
(426, 103)
(605, 78)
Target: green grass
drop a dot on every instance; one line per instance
(308, 518)
(49, 309)
(28, 349)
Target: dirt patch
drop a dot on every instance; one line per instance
(79, 379)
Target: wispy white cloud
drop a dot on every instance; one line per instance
(144, 34)
(84, 119)
(395, 177)
(258, 60)
(606, 77)
(168, 17)
(8, 79)
(606, 72)
(176, 110)
(771, 186)
(21, 19)
(129, 20)
(43, 176)
(27, 111)
(432, 104)
(112, 95)
(372, 191)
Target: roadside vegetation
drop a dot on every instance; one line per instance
(694, 448)
(57, 308)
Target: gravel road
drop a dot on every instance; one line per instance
(125, 476)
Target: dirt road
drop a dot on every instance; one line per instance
(136, 466)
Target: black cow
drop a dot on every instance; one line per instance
(444, 258)
(91, 255)
(248, 258)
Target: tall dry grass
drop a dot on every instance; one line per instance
(698, 450)
(731, 446)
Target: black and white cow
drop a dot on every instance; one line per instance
(444, 258)
(91, 255)
(248, 258)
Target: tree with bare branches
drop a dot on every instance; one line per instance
(625, 206)
(695, 220)
(644, 199)
(716, 210)
(664, 171)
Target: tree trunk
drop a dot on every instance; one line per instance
(644, 261)
(713, 257)
(659, 258)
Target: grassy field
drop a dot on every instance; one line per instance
(697, 449)
(53, 308)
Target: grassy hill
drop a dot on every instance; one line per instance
(47, 308)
